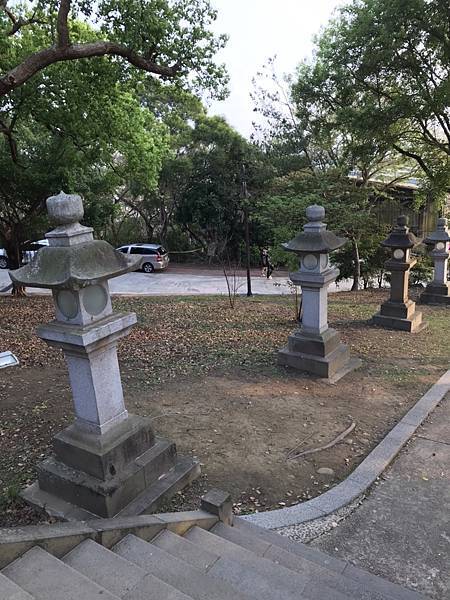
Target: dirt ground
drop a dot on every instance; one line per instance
(207, 374)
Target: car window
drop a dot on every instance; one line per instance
(162, 250)
(124, 249)
(139, 250)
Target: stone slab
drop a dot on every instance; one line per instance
(46, 577)
(413, 325)
(174, 571)
(108, 570)
(324, 367)
(102, 498)
(11, 591)
(182, 548)
(106, 455)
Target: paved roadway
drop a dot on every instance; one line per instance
(186, 281)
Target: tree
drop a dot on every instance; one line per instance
(168, 38)
(381, 71)
(211, 204)
(86, 133)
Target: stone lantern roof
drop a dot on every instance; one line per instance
(441, 234)
(315, 237)
(400, 236)
(73, 258)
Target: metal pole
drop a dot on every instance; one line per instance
(247, 233)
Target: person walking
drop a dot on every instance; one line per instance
(268, 267)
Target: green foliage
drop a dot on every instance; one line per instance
(381, 75)
(74, 128)
(166, 33)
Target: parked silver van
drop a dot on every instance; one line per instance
(154, 256)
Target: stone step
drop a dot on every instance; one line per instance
(250, 582)
(48, 578)
(11, 591)
(185, 550)
(288, 583)
(117, 575)
(311, 570)
(174, 571)
(384, 588)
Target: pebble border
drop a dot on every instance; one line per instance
(364, 475)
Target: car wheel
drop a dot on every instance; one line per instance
(148, 267)
(3, 262)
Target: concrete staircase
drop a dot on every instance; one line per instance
(177, 558)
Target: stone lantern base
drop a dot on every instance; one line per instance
(126, 471)
(399, 315)
(323, 355)
(436, 293)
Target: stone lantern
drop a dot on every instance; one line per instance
(315, 347)
(399, 312)
(108, 461)
(438, 290)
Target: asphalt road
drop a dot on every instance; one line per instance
(192, 281)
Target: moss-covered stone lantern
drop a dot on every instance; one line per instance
(399, 312)
(438, 290)
(108, 461)
(315, 347)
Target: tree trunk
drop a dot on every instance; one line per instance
(12, 247)
(356, 266)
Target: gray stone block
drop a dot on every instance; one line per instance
(103, 498)
(152, 588)
(288, 583)
(108, 570)
(218, 503)
(317, 345)
(324, 367)
(47, 578)
(11, 591)
(338, 496)
(174, 571)
(302, 550)
(253, 543)
(104, 456)
(185, 550)
(283, 517)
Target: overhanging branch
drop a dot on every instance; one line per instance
(40, 60)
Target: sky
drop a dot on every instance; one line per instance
(258, 30)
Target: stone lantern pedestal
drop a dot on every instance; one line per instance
(107, 462)
(315, 347)
(438, 290)
(399, 312)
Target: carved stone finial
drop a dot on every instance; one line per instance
(65, 209)
(442, 223)
(402, 221)
(315, 213)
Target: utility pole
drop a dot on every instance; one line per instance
(246, 195)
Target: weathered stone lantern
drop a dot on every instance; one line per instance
(438, 290)
(399, 312)
(108, 461)
(315, 347)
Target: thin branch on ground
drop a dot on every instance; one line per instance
(339, 438)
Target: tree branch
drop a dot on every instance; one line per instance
(62, 25)
(416, 157)
(40, 60)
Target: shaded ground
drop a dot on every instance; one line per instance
(207, 375)
(402, 530)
